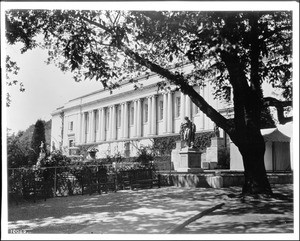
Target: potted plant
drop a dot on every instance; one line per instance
(92, 152)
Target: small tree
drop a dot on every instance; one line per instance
(17, 151)
(37, 138)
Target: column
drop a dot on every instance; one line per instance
(122, 121)
(170, 113)
(153, 115)
(101, 124)
(77, 126)
(82, 127)
(109, 134)
(188, 106)
(89, 135)
(98, 135)
(114, 123)
(135, 119)
(139, 118)
(165, 123)
(182, 106)
(149, 115)
(126, 116)
(93, 126)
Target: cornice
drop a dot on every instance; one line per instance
(113, 97)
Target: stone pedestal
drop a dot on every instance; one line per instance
(211, 157)
(175, 155)
(190, 160)
(186, 159)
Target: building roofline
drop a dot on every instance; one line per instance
(129, 81)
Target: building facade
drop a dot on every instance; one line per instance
(122, 121)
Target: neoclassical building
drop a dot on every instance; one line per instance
(122, 121)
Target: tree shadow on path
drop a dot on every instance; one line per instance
(142, 211)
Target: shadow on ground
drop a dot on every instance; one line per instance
(148, 211)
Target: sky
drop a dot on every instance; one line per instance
(46, 88)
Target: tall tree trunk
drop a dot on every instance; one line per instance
(252, 147)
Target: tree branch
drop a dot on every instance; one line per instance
(181, 81)
(177, 79)
(117, 18)
(271, 33)
(279, 105)
(95, 23)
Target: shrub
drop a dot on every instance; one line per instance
(203, 140)
(165, 145)
(145, 155)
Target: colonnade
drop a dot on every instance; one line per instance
(104, 124)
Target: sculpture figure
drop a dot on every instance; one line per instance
(187, 132)
(216, 130)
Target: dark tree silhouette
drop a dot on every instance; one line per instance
(238, 50)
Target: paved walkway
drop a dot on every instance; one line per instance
(157, 211)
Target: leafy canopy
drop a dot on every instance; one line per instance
(91, 43)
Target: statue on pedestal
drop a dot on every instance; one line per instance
(187, 132)
(42, 155)
(42, 150)
(216, 131)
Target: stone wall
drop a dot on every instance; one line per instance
(212, 179)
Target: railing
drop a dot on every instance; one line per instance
(46, 182)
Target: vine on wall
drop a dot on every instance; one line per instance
(165, 145)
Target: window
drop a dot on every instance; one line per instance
(119, 118)
(178, 106)
(131, 115)
(70, 125)
(71, 143)
(146, 113)
(161, 110)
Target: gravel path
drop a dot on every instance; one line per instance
(154, 211)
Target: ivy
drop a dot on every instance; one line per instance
(165, 145)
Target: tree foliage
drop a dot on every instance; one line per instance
(12, 70)
(17, 151)
(114, 46)
(237, 50)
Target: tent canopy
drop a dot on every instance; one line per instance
(274, 135)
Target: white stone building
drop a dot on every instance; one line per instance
(120, 121)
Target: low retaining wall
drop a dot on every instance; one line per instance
(217, 179)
